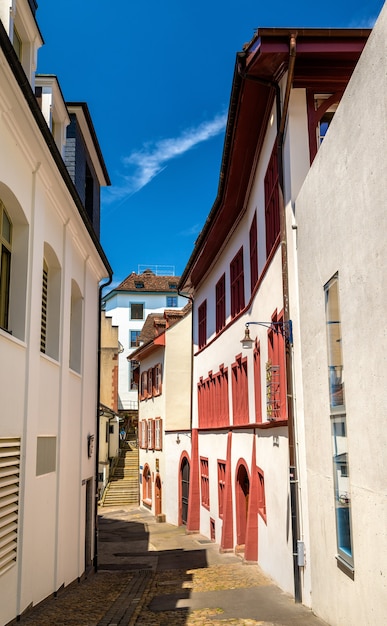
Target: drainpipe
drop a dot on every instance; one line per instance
(293, 477)
(101, 287)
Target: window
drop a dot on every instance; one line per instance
(139, 284)
(220, 297)
(133, 341)
(144, 386)
(171, 301)
(133, 375)
(75, 327)
(151, 434)
(14, 242)
(257, 382)
(5, 264)
(237, 282)
(221, 486)
(136, 311)
(275, 375)
(150, 383)
(202, 324)
(143, 435)
(43, 326)
(261, 495)
(240, 397)
(272, 215)
(9, 500)
(51, 304)
(158, 433)
(253, 236)
(157, 380)
(342, 491)
(213, 399)
(172, 285)
(321, 110)
(147, 485)
(205, 483)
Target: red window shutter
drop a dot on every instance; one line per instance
(237, 284)
(202, 324)
(253, 253)
(272, 219)
(220, 298)
(257, 383)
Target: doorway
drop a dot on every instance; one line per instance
(158, 500)
(184, 477)
(242, 503)
(88, 524)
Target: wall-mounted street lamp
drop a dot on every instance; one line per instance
(280, 328)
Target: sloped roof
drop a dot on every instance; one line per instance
(148, 281)
(155, 326)
(321, 53)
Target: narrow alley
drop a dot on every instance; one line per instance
(152, 574)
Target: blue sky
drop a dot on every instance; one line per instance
(157, 79)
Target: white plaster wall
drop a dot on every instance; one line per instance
(341, 227)
(40, 396)
(118, 308)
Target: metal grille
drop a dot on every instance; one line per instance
(9, 501)
(272, 391)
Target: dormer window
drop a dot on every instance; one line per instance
(172, 285)
(49, 96)
(139, 285)
(24, 34)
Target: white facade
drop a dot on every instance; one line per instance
(342, 223)
(118, 307)
(48, 398)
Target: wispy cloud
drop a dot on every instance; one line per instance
(192, 230)
(154, 157)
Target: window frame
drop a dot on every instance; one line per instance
(339, 439)
(204, 482)
(220, 299)
(158, 443)
(237, 284)
(5, 275)
(202, 324)
(133, 336)
(134, 305)
(253, 241)
(222, 465)
(171, 302)
(272, 198)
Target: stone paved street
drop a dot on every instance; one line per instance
(153, 574)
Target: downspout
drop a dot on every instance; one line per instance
(101, 287)
(293, 476)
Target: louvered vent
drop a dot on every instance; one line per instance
(9, 501)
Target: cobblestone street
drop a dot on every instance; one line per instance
(154, 574)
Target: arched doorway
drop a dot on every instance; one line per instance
(242, 502)
(158, 501)
(184, 479)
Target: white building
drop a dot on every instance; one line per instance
(165, 358)
(248, 483)
(128, 305)
(51, 264)
(342, 224)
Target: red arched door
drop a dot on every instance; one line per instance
(242, 503)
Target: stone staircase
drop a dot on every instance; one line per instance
(123, 487)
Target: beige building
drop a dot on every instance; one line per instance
(165, 357)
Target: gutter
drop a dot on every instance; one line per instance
(293, 474)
